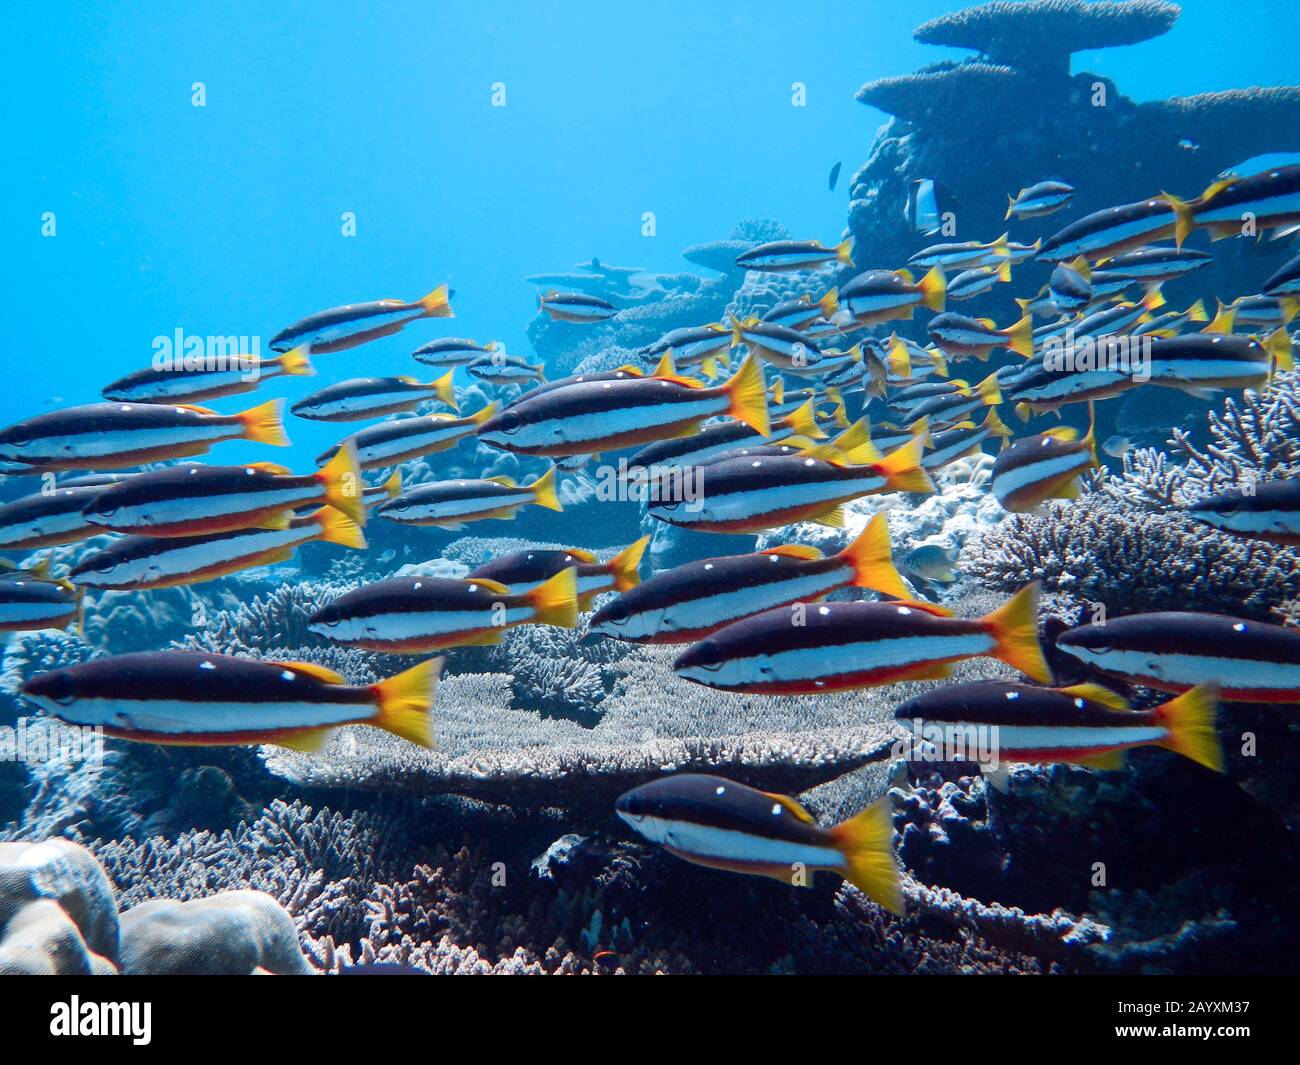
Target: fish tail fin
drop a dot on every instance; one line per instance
(543, 490)
(989, 390)
(556, 601)
(747, 392)
(940, 363)
(1190, 721)
(337, 528)
(804, 423)
(934, 289)
(899, 358)
(264, 424)
(1196, 312)
(867, 843)
(840, 413)
(437, 304)
(1183, 212)
(1091, 438)
(626, 565)
(393, 486)
(1223, 319)
(341, 477)
(406, 702)
(1020, 337)
(902, 468)
(479, 417)
(844, 252)
(1014, 625)
(443, 389)
(1290, 306)
(872, 559)
(1278, 345)
(829, 304)
(1011, 207)
(1153, 299)
(295, 363)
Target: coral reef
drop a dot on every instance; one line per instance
(57, 914)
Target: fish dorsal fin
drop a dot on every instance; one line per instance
(792, 806)
(907, 276)
(312, 741)
(491, 586)
(1063, 433)
(196, 410)
(665, 367)
(270, 467)
(633, 371)
(794, 551)
(582, 554)
(509, 482)
(1096, 693)
(311, 669)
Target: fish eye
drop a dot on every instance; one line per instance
(508, 422)
(708, 655)
(19, 438)
(618, 612)
(105, 566)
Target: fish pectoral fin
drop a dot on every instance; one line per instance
(833, 518)
(487, 638)
(312, 741)
(940, 671)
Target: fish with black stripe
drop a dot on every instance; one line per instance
(353, 324)
(114, 436)
(30, 601)
(1111, 231)
(450, 504)
(1047, 466)
(1172, 651)
(141, 562)
(522, 571)
(597, 416)
(194, 500)
(720, 824)
(687, 602)
(194, 384)
(1269, 510)
(780, 256)
(408, 615)
(197, 699)
(577, 307)
(373, 397)
(402, 439)
(1269, 199)
(806, 649)
(1086, 724)
(744, 493)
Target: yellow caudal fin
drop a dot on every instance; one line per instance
(406, 702)
(872, 560)
(1011, 207)
(1190, 721)
(1183, 217)
(902, 470)
(840, 412)
(829, 304)
(867, 843)
(1289, 306)
(1196, 312)
(543, 490)
(1278, 345)
(804, 422)
(995, 425)
(1014, 627)
(437, 303)
(295, 363)
(393, 486)
(625, 567)
(264, 424)
(989, 390)
(556, 601)
(480, 416)
(337, 528)
(1153, 299)
(898, 358)
(1223, 319)
(1020, 337)
(666, 366)
(747, 392)
(443, 389)
(934, 289)
(844, 252)
(344, 489)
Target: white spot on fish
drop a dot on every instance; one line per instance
(824, 610)
(1239, 627)
(288, 674)
(1078, 703)
(1013, 696)
(207, 665)
(719, 790)
(776, 809)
